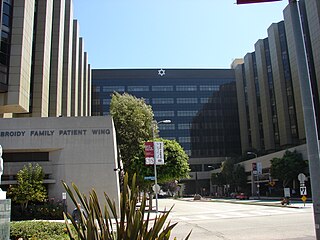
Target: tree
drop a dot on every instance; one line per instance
(239, 177)
(231, 174)
(287, 168)
(133, 123)
(176, 164)
(30, 186)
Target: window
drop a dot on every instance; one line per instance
(204, 100)
(96, 89)
(209, 88)
(26, 157)
(96, 101)
(170, 138)
(162, 101)
(184, 139)
(106, 101)
(187, 100)
(113, 89)
(188, 152)
(166, 126)
(182, 126)
(195, 167)
(163, 113)
(162, 88)
(187, 113)
(138, 88)
(186, 88)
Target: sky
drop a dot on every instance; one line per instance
(172, 33)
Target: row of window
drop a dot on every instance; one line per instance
(96, 101)
(184, 88)
(171, 113)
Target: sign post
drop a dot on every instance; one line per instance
(154, 155)
(303, 189)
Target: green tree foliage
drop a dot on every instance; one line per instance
(231, 174)
(176, 164)
(287, 168)
(105, 223)
(133, 122)
(30, 186)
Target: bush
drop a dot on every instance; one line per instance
(105, 223)
(38, 230)
(49, 210)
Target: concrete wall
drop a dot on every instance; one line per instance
(18, 96)
(81, 150)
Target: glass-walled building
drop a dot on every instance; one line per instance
(201, 103)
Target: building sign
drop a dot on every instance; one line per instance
(53, 132)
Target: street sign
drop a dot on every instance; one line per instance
(272, 183)
(156, 188)
(302, 177)
(259, 168)
(286, 192)
(149, 178)
(304, 198)
(254, 168)
(303, 190)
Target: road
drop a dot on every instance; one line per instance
(228, 221)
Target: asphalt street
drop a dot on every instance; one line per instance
(245, 220)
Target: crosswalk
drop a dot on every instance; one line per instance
(232, 214)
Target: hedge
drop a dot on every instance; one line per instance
(38, 230)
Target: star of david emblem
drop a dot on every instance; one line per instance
(161, 72)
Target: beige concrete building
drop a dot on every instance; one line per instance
(45, 82)
(268, 87)
(39, 66)
(74, 149)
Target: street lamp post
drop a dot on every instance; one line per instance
(252, 177)
(154, 124)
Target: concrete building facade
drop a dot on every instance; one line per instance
(268, 88)
(40, 66)
(40, 70)
(81, 150)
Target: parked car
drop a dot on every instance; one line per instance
(242, 196)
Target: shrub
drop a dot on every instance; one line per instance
(104, 223)
(38, 230)
(49, 210)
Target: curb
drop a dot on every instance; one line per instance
(271, 204)
(258, 203)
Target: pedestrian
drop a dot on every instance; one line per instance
(76, 214)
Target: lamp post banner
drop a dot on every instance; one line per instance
(149, 153)
(158, 153)
(255, 1)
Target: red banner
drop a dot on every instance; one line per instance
(255, 1)
(149, 153)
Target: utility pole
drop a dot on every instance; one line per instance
(308, 112)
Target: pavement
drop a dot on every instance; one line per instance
(262, 202)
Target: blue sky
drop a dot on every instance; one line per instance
(171, 33)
